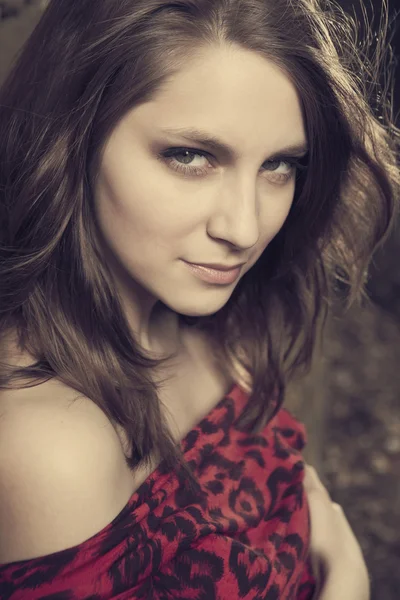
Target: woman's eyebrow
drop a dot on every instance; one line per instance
(202, 137)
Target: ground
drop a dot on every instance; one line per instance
(361, 446)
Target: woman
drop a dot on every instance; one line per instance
(144, 450)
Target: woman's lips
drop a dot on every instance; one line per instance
(211, 275)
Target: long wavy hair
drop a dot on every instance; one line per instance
(78, 74)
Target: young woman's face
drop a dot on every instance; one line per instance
(157, 212)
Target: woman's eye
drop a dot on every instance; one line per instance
(182, 160)
(191, 161)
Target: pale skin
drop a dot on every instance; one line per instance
(226, 210)
(153, 217)
(334, 546)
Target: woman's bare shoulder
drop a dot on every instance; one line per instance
(48, 397)
(62, 470)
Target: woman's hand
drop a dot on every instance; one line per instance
(334, 549)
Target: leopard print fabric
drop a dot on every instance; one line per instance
(243, 533)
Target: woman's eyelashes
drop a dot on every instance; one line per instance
(281, 169)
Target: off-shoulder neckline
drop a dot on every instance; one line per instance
(135, 496)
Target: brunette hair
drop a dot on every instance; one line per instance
(77, 76)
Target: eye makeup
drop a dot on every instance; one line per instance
(172, 157)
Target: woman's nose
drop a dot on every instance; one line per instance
(236, 217)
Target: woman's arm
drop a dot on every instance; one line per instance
(335, 552)
(346, 585)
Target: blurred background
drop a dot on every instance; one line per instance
(350, 401)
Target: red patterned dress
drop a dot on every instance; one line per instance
(244, 533)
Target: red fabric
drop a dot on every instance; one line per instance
(244, 533)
